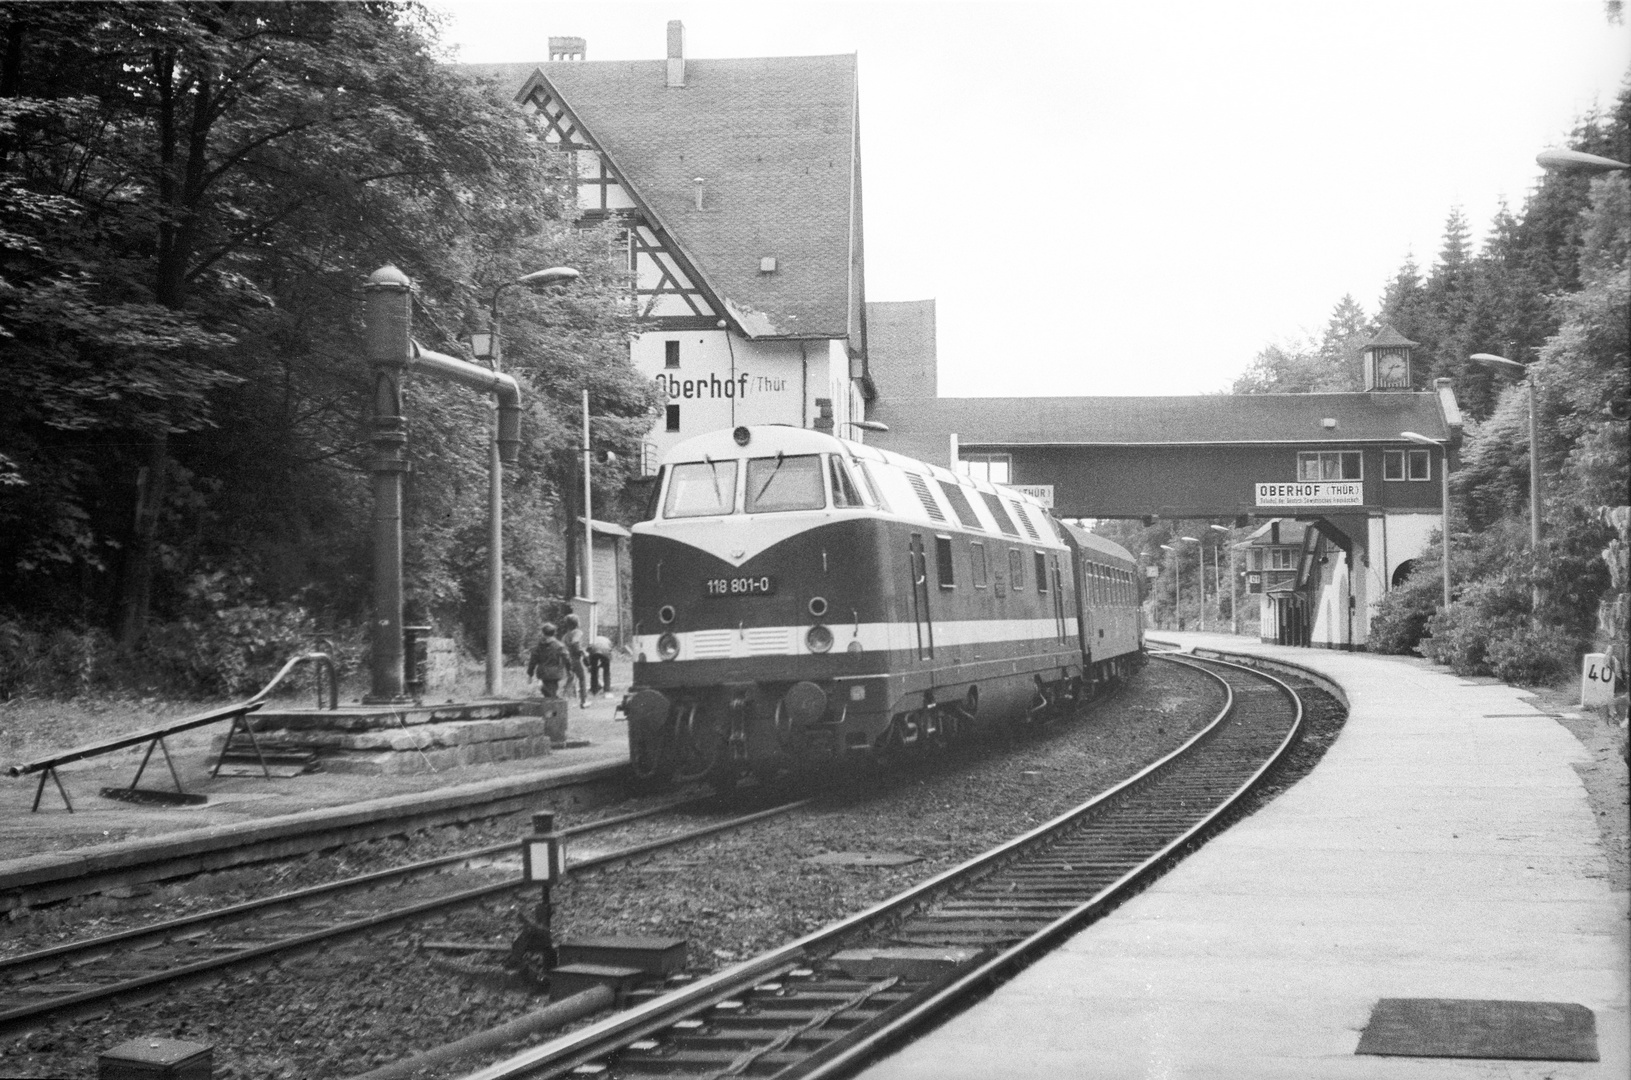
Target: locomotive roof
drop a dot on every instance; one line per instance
(776, 438)
(1096, 543)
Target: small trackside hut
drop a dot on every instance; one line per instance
(801, 600)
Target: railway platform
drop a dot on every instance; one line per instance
(102, 833)
(1444, 848)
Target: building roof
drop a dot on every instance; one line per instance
(775, 143)
(1212, 418)
(1387, 336)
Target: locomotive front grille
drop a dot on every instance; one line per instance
(711, 644)
(767, 641)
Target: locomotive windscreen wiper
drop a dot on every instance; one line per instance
(713, 473)
(774, 470)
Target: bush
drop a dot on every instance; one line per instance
(1495, 607)
(1533, 656)
(1401, 617)
(58, 662)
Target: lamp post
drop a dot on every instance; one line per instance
(1444, 473)
(1234, 605)
(1526, 372)
(1200, 580)
(1176, 594)
(865, 425)
(1557, 158)
(538, 279)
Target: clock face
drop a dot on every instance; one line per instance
(1391, 368)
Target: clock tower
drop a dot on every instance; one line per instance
(1387, 360)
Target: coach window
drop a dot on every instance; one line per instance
(942, 562)
(982, 573)
(843, 488)
(1328, 465)
(1016, 569)
(701, 489)
(1041, 572)
(780, 483)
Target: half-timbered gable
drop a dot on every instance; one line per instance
(737, 183)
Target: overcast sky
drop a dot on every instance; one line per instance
(1134, 198)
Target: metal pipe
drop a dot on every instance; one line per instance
(504, 448)
(389, 343)
(1534, 490)
(590, 627)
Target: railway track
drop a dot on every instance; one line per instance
(89, 976)
(827, 1003)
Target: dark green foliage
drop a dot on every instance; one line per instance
(191, 195)
(1401, 617)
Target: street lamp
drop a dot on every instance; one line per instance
(1527, 372)
(1558, 158)
(1176, 594)
(538, 279)
(1444, 473)
(1234, 604)
(865, 425)
(1200, 579)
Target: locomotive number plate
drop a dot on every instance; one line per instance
(757, 585)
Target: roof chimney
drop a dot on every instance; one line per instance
(567, 48)
(676, 53)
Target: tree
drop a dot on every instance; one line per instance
(190, 196)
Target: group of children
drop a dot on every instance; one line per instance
(555, 659)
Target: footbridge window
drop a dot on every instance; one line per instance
(1329, 465)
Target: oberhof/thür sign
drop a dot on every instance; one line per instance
(1312, 493)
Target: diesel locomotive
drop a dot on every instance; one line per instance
(803, 602)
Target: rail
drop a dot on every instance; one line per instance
(154, 737)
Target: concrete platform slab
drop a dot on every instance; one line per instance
(1434, 852)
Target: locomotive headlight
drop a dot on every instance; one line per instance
(818, 639)
(668, 646)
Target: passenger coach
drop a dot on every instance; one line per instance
(799, 599)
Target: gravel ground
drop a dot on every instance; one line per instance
(349, 1009)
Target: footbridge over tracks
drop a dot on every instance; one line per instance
(1341, 463)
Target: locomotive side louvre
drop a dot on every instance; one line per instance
(880, 600)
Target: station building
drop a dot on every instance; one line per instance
(1333, 477)
(738, 186)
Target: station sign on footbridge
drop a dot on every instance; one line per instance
(1312, 493)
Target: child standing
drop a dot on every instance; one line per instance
(572, 638)
(600, 665)
(548, 661)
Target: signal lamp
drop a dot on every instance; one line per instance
(818, 606)
(666, 614)
(819, 639)
(742, 436)
(854, 645)
(668, 646)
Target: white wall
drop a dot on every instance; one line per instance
(1395, 538)
(774, 382)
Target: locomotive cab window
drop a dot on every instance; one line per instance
(942, 562)
(982, 572)
(1041, 572)
(701, 489)
(844, 491)
(1016, 569)
(781, 483)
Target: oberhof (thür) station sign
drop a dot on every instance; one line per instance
(1312, 493)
